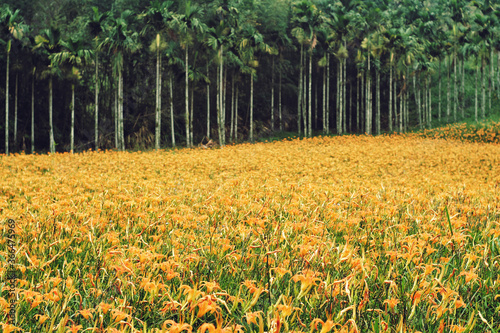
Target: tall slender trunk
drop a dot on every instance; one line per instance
(220, 98)
(439, 91)
(280, 104)
(491, 84)
(476, 100)
(251, 107)
(186, 116)
(357, 102)
(304, 97)
(224, 94)
(368, 122)
(231, 131)
(309, 134)
(390, 94)
(339, 97)
(208, 104)
(396, 115)
(120, 111)
(15, 110)
(498, 72)
(448, 95)
(191, 113)
(377, 115)
(401, 109)
(483, 92)
(362, 102)
(72, 135)
(344, 95)
(315, 124)
(7, 106)
(350, 107)
(51, 124)
(115, 113)
(429, 118)
(327, 93)
(324, 100)
(272, 96)
(33, 112)
(455, 86)
(236, 115)
(96, 121)
(462, 96)
(416, 93)
(158, 107)
(299, 92)
(172, 131)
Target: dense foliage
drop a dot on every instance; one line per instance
(136, 74)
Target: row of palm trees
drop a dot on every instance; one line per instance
(378, 53)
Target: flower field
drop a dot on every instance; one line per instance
(337, 234)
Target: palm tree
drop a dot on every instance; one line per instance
(307, 19)
(251, 42)
(74, 55)
(189, 26)
(121, 39)
(96, 25)
(12, 29)
(159, 17)
(49, 42)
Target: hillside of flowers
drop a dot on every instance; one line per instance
(487, 131)
(327, 234)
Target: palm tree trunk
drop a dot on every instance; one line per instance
(72, 135)
(15, 110)
(362, 103)
(396, 115)
(251, 107)
(272, 96)
(344, 95)
(448, 95)
(357, 102)
(304, 97)
(299, 92)
(33, 113)
(368, 122)
(377, 115)
(120, 111)
(236, 115)
(401, 109)
(339, 98)
(455, 86)
(208, 104)
(324, 100)
(309, 134)
(476, 100)
(439, 91)
(328, 93)
(483, 92)
(96, 123)
(51, 124)
(191, 113)
(186, 116)
(429, 118)
(222, 137)
(115, 113)
(416, 95)
(224, 94)
(172, 131)
(157, 113)
(231, 131)
(7, 106)
(280, 104)
(491, 84)
(462, 96)
(390, 95)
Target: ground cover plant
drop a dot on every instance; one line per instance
(343, 234)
